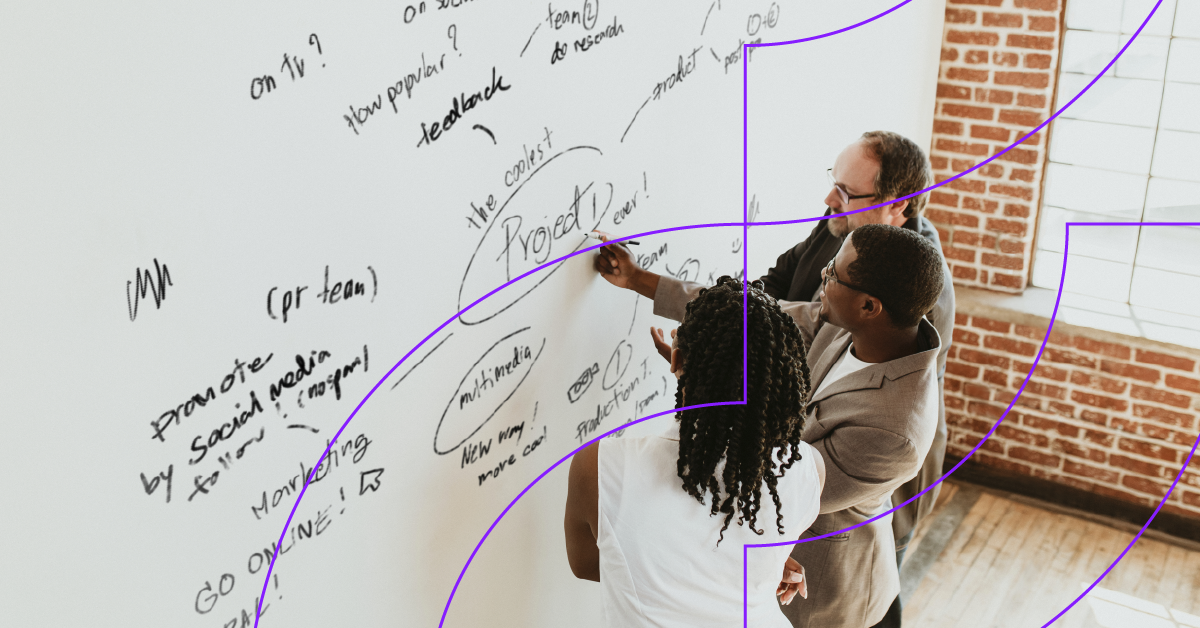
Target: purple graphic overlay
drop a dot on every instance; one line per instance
(745, 224)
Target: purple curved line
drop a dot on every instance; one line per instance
(1041, 349)
(830, 33)
(547, 471)
(998, 154)
(745, 226)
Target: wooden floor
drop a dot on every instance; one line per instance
(1001, 561)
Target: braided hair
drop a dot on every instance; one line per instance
(743, 436)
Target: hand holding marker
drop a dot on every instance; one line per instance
(603, 237)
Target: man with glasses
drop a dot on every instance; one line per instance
(876, 169)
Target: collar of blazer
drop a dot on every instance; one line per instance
(831, 341)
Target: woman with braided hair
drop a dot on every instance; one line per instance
(660, 521)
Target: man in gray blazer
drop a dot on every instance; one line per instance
(873, 412)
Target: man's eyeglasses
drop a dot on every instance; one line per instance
(841, 189)
(831, 273)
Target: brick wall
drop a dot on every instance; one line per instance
(998, 71)
(1105, 413)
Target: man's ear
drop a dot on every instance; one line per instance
(871, 308)
(897, 209)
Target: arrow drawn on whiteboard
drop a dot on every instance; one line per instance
(485, 130)
(369, 480)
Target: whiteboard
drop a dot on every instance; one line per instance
(223, 224)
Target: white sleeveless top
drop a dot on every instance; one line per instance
(660, 564)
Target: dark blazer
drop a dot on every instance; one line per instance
(796, 276)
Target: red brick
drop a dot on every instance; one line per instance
(1094, 417)
(1003, 261)
(1008, 345)
(961, 319)
(1099, 401)
(954, 403)
(953, 385)
(1005, 20)
(1014, 210)
(1023, 118)
(999, 327)
(965, 273)
(1037, 61)
(1083, 343)
(952, 218)
(945, 90)
(976, 56)
(1021, 156)
(1008, 59)
(968, 423)
(947, 127)
(959, 165)
(1161, 415)
(1015, 40)
(992, 170)
(1183, 383)
(1137, 466)
(1021, 174)
(1145, 486)
(978, 38)
(1011, 433)
(949, 54)
(1042, 423)
(996, 378)
(1040, 5)
(1047, 390)
(990, 132)
(978, 204)
(960, 16)
(979, 357)
(1089, 471)
(962, 255)
(1014, 283)
(960, 369)
(1049, 372)
(1097, 382)
(967, 111)
(1031, 100)
(1035, 457)
(971, 440)
(964, 74)
(1044, 24)
(1039, 333)
(1071, 448)
(963, 336)
(937, 162)
(978, 408)
(1160, 396)
(1016, 191)
(1006, 226)
(1162, 359)
(1061, 409)
(1099, 438)
(968, 185)
(1148, 450)
(1068, 357)
(1038, 80)
(964, 148)
(978, 391)
(990, 3)
(943, 198)
(994, 96)
(1132, 371)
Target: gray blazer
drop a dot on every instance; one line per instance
(874, 428)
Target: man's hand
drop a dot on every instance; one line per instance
(661, 344)
(793, 582)
(617, 265)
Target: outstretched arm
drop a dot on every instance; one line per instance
(582, 517)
